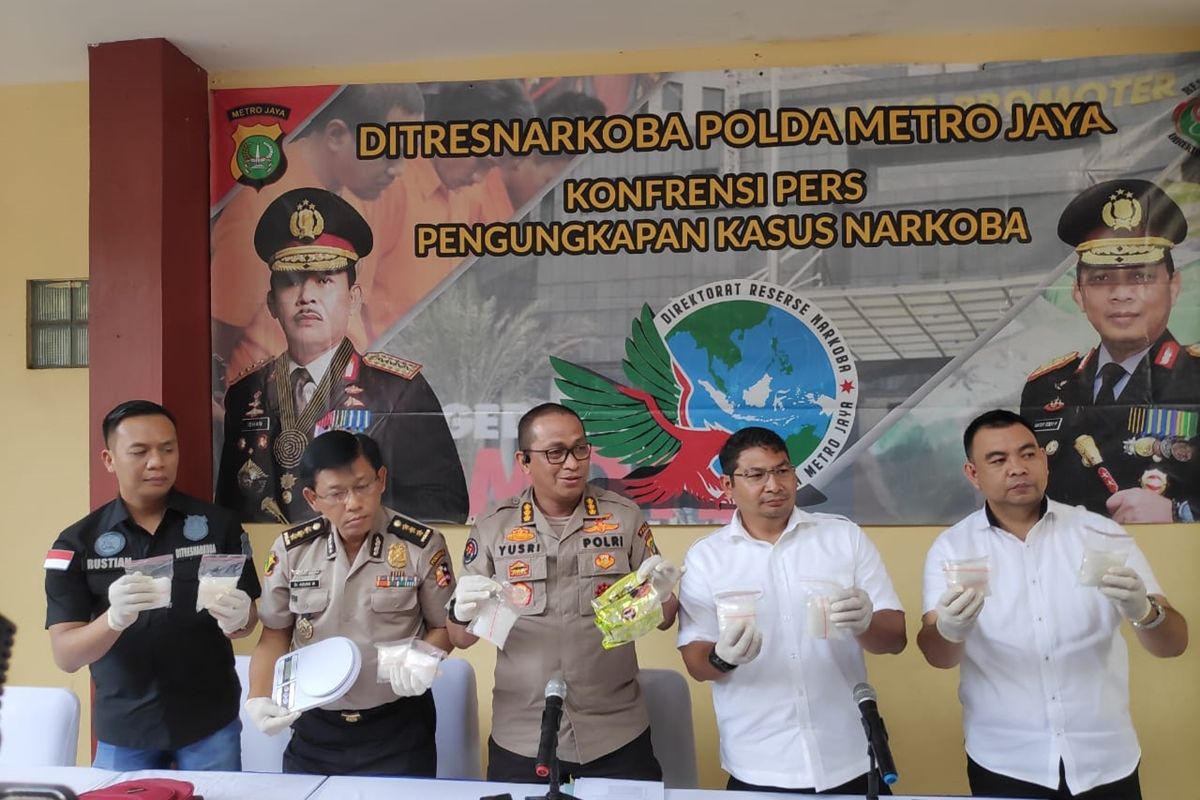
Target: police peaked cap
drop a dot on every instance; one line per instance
(1122, 224)
(311, 230)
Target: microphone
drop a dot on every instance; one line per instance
(556, 691)
(877, 736)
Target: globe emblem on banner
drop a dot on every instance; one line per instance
(725, 356)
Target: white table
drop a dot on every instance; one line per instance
(238, 785)
(347, 788)
(77, 779)
(274, 786)
(344, 788)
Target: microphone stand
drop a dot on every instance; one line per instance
(873, 768)
(872, 775)
(554, 791)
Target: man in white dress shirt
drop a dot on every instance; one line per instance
(783, 684)
(1044, 673)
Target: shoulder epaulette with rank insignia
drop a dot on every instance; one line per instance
(395, 365)
(305, 532)
(1061, 361)
(255, 367)
(410, 530)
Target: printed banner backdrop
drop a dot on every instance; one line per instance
(860, 258)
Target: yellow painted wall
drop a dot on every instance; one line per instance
(44, 468)
(43, 223)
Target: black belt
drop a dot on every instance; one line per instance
(393, 738)
(355, 716)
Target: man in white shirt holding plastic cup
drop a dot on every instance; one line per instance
(1027, 599)
(784, 666)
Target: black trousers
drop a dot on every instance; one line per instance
(634, 761)
(396, 738)
(985, 783)
(855, 786)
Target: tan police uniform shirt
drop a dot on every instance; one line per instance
(558, 576)
(397, 587)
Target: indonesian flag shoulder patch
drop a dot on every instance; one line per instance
(59, 559)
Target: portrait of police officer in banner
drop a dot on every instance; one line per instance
(311, 240)
(1119, 422)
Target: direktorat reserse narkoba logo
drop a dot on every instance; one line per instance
(727, 355)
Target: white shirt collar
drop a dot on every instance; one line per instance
(738, 531)
(1129, 365)
(317, 367)
(988, 519)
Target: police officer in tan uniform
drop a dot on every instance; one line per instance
(365, 572)
(560, 544)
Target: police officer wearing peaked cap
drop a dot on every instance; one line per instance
(1120, 421)
(312, 240)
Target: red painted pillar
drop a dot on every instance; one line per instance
(148, 327)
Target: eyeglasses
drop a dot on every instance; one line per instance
(340, 496)
(758, 477)
(558, 455)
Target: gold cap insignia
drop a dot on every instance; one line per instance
(1122, 211)
(307, 222)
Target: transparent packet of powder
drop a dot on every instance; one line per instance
(969, 573)
(1102, 551)
(420, 656)
(161, 569)
(219, 574)
(499, 613)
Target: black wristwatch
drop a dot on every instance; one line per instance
(720, 664)
(450, 613)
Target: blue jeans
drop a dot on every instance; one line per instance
(219, 751)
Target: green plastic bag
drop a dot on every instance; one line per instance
(628, 610)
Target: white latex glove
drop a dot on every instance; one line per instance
(851, 610)
(472, 591)
(129, 596)
(1127, 590)
(268, 716)
(662, 574)
(740, 643)
(957, 609)
(231, 610)
(409, 682)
